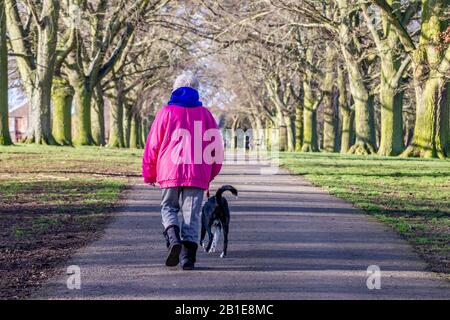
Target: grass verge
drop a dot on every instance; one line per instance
(410, 195)
(54, 200)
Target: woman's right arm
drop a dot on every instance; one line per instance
(151, 151)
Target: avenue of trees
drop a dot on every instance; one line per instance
(349, 76)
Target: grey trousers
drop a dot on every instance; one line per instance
(188, 201)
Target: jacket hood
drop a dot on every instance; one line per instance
(185, 97)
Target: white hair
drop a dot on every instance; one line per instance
(186, 79)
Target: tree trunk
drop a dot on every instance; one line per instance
(290, 133)
(391, 142)
(298, 127)
(347, 136)
(40, 126)
(116, 134)
(364, 127)
(83, 128)
(391, 99)
(282, 134)
(127, 126)
(446, 115)
(330, 119)
(233, 137)
(391, 96)
(347, 115)
(431, 64)
(310, 130)
(310, 143)
(273, 87)
(134, 132)
(258, 133)
(82, 100)
(431, 126)
(268, 134)
(409, 130)
(364, 113)
(62, 96)
(25, 58)
(98, 117)
(140, 130)
(144, 125)
(148, 126)
(5, 138)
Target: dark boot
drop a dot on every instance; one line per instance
(188, 255)
(172, 235)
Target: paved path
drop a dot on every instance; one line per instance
(288, 240)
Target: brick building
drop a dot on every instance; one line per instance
(18, 122)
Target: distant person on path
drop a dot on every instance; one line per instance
(183, 154)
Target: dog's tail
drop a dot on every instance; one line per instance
(222, 190)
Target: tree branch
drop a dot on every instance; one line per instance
(19, 44)
(34, 13)
(371, 26)
(402, 33)
(410, 11)
(67, 48)
(403, 67)
(108, 65)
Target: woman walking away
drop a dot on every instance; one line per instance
(183, 154)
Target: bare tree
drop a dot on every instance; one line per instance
(5, 138)
(36, 60)
(430, 56)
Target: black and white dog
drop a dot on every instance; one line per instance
(215, 217)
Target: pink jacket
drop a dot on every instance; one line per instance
(181, 149)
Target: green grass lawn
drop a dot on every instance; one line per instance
(411, 195)
(54, 200)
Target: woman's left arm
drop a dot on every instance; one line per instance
(218, 151)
